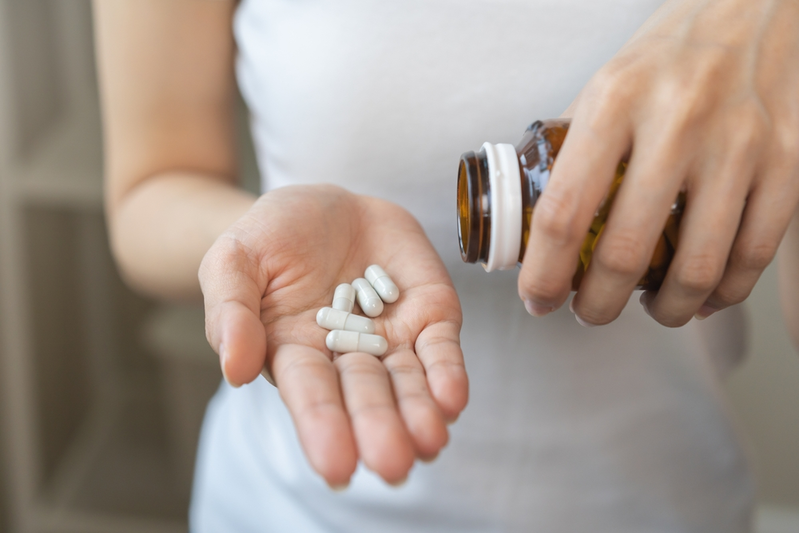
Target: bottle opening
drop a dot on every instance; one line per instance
(474, 207)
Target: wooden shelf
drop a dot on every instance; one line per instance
(178, 332)
(65, 167)
(109, 464)
(116, 477)
(190, 374)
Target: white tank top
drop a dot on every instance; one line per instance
(612, 429)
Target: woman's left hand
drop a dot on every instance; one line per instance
(704, 98)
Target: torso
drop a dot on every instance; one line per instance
(615, 429)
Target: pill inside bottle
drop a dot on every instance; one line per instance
(352, 341)
(382, 283)
(368, 299)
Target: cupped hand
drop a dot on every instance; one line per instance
(264, 281)
(704, 99)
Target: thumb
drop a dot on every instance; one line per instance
(232, 288)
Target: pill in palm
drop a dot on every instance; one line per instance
(344, 298)
(370, 302)
(330, 318)
(382, 283)
(352, 341)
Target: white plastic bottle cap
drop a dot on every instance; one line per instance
(506, 206)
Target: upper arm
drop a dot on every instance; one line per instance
(166, 74)
(789, 278)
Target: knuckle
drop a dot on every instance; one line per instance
(729, 293)
(699, 274)
(541, 290)
(620, 253)
(749, 128)
(684, 97)
(357, 365)
(554, 218)
(786, 144)
(611, 90)
(684, 105)
(754, 256)
(228, 251)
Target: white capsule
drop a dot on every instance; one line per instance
(382, 284)
(330, 318)
(352, 341)
(370, 302)
(344, 298)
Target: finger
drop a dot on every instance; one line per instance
(707, 230)
(419, 412)
(439, 350)
(309, 386)
(765, 219)
(709, 225)
(637, 217)
(581, 177)
(383, 442)
(232, 294)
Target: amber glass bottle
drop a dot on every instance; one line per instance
(497, 191)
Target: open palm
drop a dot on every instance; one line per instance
(264, 281)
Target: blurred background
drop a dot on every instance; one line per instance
(102, 391)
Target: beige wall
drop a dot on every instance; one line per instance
(765, 397)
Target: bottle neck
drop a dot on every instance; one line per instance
(537, 152)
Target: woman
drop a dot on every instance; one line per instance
(619, 428)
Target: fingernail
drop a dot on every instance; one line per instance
(339, 488)
(571, 306)
(704, 312)
(537, 310)
(268, 377)
(583, 323)
(644, 301)
(398, 484)
(222, 360)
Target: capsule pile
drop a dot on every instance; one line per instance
(353, 333)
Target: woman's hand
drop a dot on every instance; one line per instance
(704, 98)
(264, 281)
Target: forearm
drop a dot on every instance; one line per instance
(789, 278)
(161, 229)
(166, 79)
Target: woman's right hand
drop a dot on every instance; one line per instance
(265, 279)
(171, 168)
